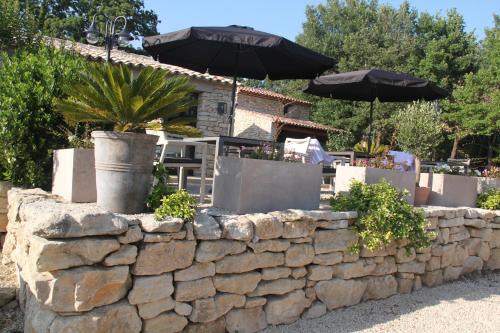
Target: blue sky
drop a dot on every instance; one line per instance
(285, 17)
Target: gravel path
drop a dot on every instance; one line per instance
(11, 317)
(469, 305)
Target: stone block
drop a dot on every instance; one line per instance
(157, 258)
(124, 256)
(326, 241)
(240, 284)
(214, 250)
(412, 267)
(299, 255)
(405, 286)
(337, 293)
(353, 270)
(472, 264)
(274, 273)
(195, 271)
(271, 245)
(328, 259)
(319, 273)
(278, 287)
(165, 323)
(333, 225)
(253, 302)
(494, 260)
(387, 266)
(434, 278)
(266, 226)
(151, 288)
(206, 227)
(100, 320)
(380, 287)
(187, 291)
(216, 326)
(451, 273)
(149, 223)
(209, 309)
(79, 289)
(287, 308)
(153, 309)
(246, 262)
(316, 310)
(403, 255)
(51, 255)
(133, 235)
(246, 320)
(236, 227)
(298, 229)
(299, 272)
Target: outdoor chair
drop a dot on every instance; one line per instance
(185, 161)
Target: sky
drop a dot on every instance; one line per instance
(285, 17)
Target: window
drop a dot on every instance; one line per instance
(190, 115)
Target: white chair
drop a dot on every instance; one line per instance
(183, 162)
(298, 147)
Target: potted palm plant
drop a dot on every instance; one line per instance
(418, 131)
(111, 95)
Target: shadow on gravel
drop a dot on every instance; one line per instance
(473, 287)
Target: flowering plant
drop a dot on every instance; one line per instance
(379, 162)
(492, 172)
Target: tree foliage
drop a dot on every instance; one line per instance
(418, 129)
(18, 26)
(30, 129)
(69, 18)
(362, 34)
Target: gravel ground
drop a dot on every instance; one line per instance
(11, 317)
(471, 304)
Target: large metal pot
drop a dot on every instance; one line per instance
(123, 163)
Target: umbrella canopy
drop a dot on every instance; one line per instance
(368, 85)
(237, 51)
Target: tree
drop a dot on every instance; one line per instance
(30, 129)
(69, 18)
(18, 27)
(475, 106)
(418, 131)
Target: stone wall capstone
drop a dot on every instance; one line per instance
(82, 269)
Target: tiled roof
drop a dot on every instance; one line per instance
(304, 123)
(293, 121)
(251, 91)
(132, 59)
(137, 60)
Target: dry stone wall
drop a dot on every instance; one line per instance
(85, 270)
(4, 188)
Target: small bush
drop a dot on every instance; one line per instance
(160, 188)
(489, 199)
(383, 216)
(179, 204)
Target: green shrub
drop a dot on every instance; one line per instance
(489, 199)
(30, 129)
(179, 204)
(383, 215)
(160, 188)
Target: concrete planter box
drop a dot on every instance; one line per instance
(244, 185)
(73, 175)
(399, 179)
(485, 183)
(450, 190)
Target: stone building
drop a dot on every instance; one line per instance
(260, 114)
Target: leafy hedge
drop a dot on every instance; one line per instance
(383, 215)
(489, 199)
(30, 129)
(179, 204)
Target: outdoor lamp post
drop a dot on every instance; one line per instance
(110, 38)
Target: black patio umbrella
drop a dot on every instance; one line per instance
(367, 85)
(238, 52)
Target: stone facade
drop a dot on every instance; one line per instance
(85, 270)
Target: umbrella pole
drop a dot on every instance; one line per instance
(233, 105)
(370, 119)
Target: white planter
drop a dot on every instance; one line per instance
(485, 183)
(450, 190)
(244, 185)
(399, 179)
(73, 175)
